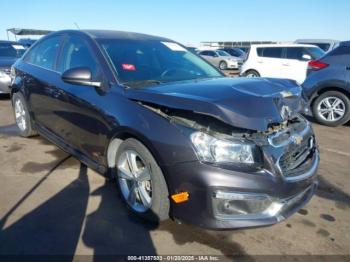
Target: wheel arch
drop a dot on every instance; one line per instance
(251, 69)
(122, 135)
(325, 89)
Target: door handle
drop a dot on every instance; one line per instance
(286, 64)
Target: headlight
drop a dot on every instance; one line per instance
(211, 149)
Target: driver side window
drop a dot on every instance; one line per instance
(76, 53)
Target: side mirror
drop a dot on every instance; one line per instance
(216, 55)
(306, 57)
(79, 76)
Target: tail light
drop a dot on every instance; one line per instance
(316, 65)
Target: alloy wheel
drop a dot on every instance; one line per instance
(135, 181)
(331, 108)
(20, 115)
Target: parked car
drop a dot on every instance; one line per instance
(179, 138)
(328, 86)
(280, 61)
(194, 50)
(325, 44)
(221, 59)
(9, 53)
(236, 52)
(245, 49)
(27, 42)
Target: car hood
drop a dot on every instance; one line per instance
(7, 61)
(246, 103)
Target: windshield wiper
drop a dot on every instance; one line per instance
(142, 83)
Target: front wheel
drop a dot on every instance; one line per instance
(332, 108)
(22, 116)
(251, 74)
(141, 181)
(223, 65)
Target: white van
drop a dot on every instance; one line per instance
(280, 61)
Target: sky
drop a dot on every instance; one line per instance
(188, 22)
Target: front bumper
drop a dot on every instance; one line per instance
(5, 82)
(233, 65)
(210, 186)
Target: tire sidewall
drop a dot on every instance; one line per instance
(252, 72)
(339, 95)
(160, 205)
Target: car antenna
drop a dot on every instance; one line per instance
(77, 25)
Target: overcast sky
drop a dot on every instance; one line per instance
(188, 21)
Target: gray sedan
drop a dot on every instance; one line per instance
(221, 59)
(9, 53)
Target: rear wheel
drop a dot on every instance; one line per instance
(22, 116)
(141, 181)
(223, 65)
(332, 108)
(251, 73)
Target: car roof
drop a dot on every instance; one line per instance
(282, 45)
(110, 34)
(321, 41)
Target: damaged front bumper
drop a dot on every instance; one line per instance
(227, 199)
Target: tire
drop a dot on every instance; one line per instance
(222, 65)
(320, 105)
(251, 74)
(158, 208)
(22, 116)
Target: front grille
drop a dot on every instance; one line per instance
(299, 158)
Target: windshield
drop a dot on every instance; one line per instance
(11, 50)
(222, 53)
(153, 62)
(315, 52)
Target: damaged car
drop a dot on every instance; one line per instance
(179, 139)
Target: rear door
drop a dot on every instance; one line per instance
(269, 61)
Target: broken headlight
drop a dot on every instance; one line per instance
(214, 150)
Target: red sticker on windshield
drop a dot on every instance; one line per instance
(129, 67)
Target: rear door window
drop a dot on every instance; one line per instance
(44, 54)
(272, 52)
(295, 53)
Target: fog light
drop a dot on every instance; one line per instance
(229, 205)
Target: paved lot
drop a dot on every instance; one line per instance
(51, 204)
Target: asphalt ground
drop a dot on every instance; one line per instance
(52, 204)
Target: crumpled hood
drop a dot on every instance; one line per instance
(241, 102)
